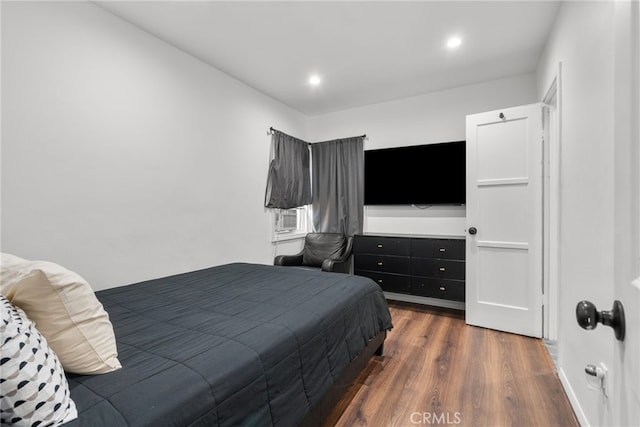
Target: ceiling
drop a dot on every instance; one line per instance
(365, 52)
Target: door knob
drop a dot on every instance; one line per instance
(473, 230)
(588, 317)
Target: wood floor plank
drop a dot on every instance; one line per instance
(436, 370)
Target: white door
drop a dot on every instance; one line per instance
(625, 395)
(504, 220)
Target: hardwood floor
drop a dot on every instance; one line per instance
(438, 371)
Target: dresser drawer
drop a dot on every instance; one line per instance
(383, 263)
(438, 268)
(388, 282)
(438, 288)
(438, 248)
(382, 245)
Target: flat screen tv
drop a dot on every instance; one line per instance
(432, 174)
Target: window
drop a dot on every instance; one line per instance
(290, 223)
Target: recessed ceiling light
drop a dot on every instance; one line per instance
(454, 42)
(314, 80)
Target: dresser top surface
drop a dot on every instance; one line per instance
(423, 236)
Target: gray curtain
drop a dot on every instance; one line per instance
(288, 183)
(338, 185)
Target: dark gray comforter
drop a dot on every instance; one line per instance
(238, 344)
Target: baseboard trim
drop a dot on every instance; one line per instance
(573, 399)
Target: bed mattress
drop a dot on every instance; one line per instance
(238, 344)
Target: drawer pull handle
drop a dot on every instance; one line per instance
(442, 288)
(443, 250)
(379, 262)
(379, 245)
(443, 269)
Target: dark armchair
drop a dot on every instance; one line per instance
(326, 251)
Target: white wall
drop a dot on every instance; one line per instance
(124, 158)
(583, 41)
(425, 119)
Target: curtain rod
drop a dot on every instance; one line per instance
(271, 131)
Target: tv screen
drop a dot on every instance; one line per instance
(432, 174)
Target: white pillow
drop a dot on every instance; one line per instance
(35, 390)
(65, 310)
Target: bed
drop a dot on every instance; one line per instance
(238, 344)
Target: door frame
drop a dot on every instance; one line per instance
(552, 122)
(636, 129)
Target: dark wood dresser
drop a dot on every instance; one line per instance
(429, 270)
